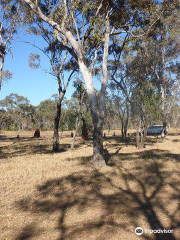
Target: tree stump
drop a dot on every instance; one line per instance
(37, 133)
(18, 135)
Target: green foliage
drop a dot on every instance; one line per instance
(9, 21)
(17, 112)
(34, 61)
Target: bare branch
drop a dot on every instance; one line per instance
(35, 46)
(105, 57)
(135, 36)
(69, 78)
(62, 63)
(65, 14)
(75, 23)
(37, 10)
(99, 8)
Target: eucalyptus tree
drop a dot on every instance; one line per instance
(84, 28)
(148, 66)
(132, 77)
(144, 87)
(166, 55)
(120, 85)
(109, 114)
(18, 111)
(158, 63)
(44, 114)
(60, 63)
(76, 103)
(121, 107)
(9, 20)
(80, 103)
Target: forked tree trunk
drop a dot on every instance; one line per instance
(97, 107)
(99, 160)
(87, 76)
(56, 127)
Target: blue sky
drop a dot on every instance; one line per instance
(33, 84)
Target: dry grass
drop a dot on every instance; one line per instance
(61, 196)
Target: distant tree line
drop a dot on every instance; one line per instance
(17, 114)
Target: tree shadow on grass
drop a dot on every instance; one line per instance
(158, 154)
(145, 155)
(174, 134)
(14, 147)
(28, 232)
(176, 140)
(24, 139)
(30, 146)
(92, 204)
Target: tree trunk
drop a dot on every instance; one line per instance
(109, 129)
(141, 133)
(137, 134)
(125, 129)
(124, 126)
(127, 119)
(87, 74)
(84, 130)
(163, 93)
(56, 127)
(144, 133)
(75, 131)
(99, 160)
(122, 129)
(1, 68)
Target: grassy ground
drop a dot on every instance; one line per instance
(60, 196)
